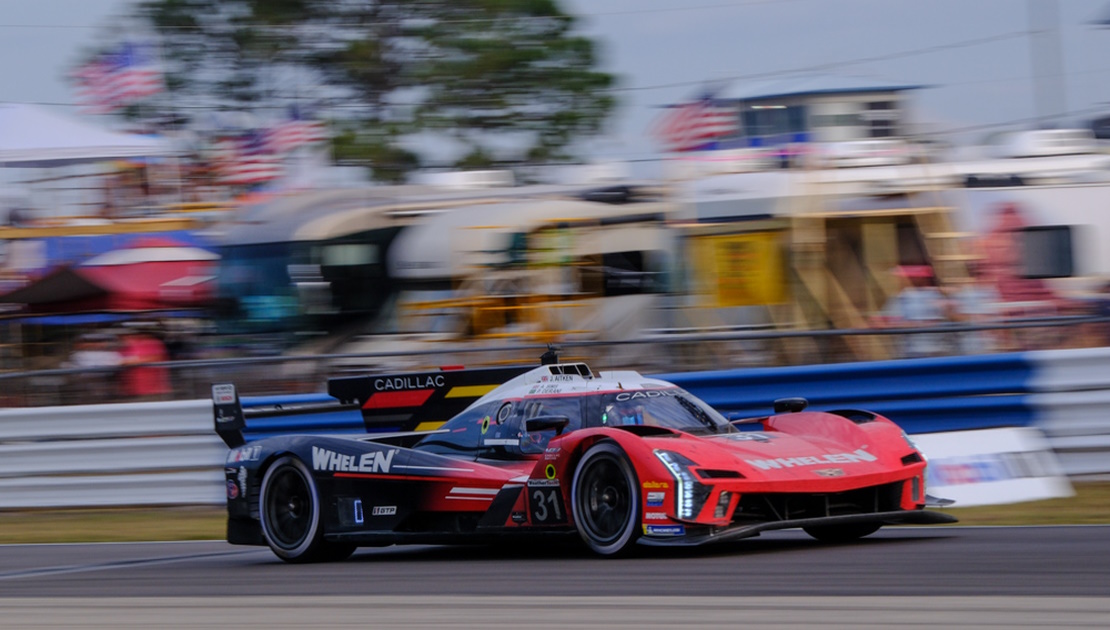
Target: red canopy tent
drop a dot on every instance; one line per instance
(154, 274)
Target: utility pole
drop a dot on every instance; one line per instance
(1047, 62)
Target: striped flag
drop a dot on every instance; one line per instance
(246, 160)
(92, 79)
(116, 79)
(293, 132)
(697, 124)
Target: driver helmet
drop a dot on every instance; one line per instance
(625, 413)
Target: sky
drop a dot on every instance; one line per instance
(974, 56)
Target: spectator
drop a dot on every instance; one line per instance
(920, 303)
(976, 303)
(94, 350)
(1100, 307)
(141, 381)
(96, 353)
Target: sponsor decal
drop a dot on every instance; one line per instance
(232, 489)
(519, 517)
(243, 479)
(398, 383)
(383, 510)
(665, 530)
(655, 516)
(830, 472)
(550, 471)
(646, 393)
(656, 485)
(244, 454)
(223, 394)
(859, 455)
(327, 460)
(750, 436)
(990, 467)
(552, 453)
(549, 388)
(543, 483)
(655, 499)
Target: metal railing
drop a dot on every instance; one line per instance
(659, 351)
(153, 453)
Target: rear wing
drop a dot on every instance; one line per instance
(412, 401)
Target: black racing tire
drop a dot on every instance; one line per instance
(842, 533)
(605, 500)
(289, 509)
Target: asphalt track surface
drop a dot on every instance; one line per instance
(908, 577)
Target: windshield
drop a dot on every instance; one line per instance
(670, 408)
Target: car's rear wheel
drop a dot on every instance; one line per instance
(289, 508)
(842, 533)
(605, 500)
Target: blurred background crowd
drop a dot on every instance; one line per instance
(276, 192)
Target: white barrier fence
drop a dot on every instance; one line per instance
(163, 453)
(1071, 402)
(167, 453)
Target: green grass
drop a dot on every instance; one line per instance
(113, 525)
(1090, 505)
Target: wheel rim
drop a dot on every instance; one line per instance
(605, 502)
(289, 508)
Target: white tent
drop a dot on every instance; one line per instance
(33, 137)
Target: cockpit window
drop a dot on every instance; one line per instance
(569, 407)
(499, 430)
(462, 435)
(670, 408)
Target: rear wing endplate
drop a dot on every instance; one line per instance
(230, 417)
(228, 414)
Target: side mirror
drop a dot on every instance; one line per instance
(790, 405)
(544, 423)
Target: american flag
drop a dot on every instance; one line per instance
(246, 159)
(696, 124)
(293, 132)
(116, 79)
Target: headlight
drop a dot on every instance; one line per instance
(690, 494)
(917, 487)
(909, 440)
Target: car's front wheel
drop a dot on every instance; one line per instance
(842, 533)
(605, 500)
(289, 508)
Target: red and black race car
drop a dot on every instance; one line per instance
(614, 457)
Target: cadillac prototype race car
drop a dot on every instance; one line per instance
(616, 457)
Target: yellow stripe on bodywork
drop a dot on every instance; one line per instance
(429, 426)
(470, 391)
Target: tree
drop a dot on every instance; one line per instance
(505, 80)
